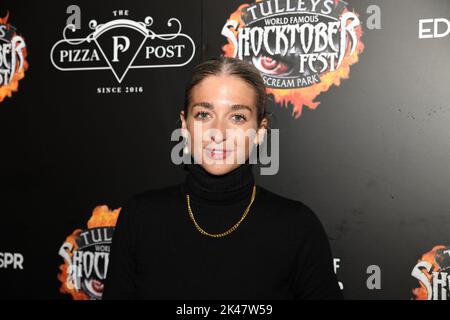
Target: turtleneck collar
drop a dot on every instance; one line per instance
(230, 188)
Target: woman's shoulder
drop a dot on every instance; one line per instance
(287, 209)
(275, 199)
(294, 217)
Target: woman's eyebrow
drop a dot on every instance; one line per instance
(206, 105)
(209, 105)
(240, 107)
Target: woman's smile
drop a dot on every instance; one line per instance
(217, 153)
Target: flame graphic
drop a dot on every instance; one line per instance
(13, 86)
(421, 292)
(228, 49)
(102, 216)
(300, 97)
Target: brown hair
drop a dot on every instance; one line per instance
(234, 67)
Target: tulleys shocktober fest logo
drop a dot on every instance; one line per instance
(13, 63)
(123, 44)
(301, 47)
(86, 256)
(433, 273)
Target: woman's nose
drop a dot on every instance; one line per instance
(218, 134)
(218, 137)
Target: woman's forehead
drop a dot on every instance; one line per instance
(224, 90)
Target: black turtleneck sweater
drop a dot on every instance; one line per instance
(280, 250)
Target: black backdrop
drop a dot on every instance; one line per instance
(372, 159)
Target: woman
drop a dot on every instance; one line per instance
(218, 235)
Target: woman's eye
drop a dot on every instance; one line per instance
(239, 118)
(201, 115)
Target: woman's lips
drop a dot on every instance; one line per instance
(217, 154)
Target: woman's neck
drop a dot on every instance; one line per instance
(230, 188)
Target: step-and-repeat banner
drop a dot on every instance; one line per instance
(90, 92)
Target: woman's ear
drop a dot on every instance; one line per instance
(183, 120)
(259, 138)
(184, 132)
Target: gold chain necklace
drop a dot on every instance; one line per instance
(223, 234)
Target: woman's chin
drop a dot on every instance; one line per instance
(219, 169)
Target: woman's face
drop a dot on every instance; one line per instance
(221, 114)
